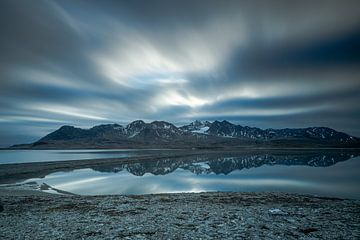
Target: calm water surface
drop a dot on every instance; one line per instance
(24, 156)
(323, 174)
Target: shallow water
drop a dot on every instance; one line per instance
(26, 156)
(324, 174)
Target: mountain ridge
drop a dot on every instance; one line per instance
(196, 134)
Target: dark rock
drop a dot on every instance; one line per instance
(308, 230)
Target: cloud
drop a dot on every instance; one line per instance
(266, 64)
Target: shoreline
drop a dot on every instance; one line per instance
(204, 215)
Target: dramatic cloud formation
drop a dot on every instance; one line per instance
(267, 64)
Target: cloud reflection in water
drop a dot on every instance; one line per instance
(340, 179)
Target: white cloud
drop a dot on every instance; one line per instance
(68, 111)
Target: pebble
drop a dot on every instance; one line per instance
(181, 216)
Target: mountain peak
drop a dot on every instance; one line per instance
(135, 127)
(65, 132)
(197, 126)
(226, 122)
(200, 123)
(65, 127)
(137, 122)
(162, 125)
(107, 126)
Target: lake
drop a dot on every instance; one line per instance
(26, 156)
(325, 173)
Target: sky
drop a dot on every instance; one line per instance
(267, 64)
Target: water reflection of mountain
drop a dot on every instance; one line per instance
(225, 164)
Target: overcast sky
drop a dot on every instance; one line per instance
(269, 64)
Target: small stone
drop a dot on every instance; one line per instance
(276, 211)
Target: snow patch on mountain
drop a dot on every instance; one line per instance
(201, 130)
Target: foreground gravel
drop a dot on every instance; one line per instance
(36, 215)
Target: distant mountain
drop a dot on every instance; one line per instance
(323, 134)
(198, 134)
(157, 131)
(197, 126)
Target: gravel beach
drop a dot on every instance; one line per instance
(28, 214)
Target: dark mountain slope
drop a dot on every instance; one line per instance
(161, 134)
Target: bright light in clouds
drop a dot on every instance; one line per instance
(134, 55)
(134, 58)
(241, 92)
(28, 119)
(251, 92)
(265, 112)
(171, 80)
(174, 98)
(68, 111)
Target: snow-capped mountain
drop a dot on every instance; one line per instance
(135, 128)
(197, 127)
(227, 129)
(158, 131)
(195, 134)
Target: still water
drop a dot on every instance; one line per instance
(26, 156)
(335, 174)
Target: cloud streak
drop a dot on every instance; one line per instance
(265, 64)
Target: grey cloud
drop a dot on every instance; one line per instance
(87, 62)
(286, 102)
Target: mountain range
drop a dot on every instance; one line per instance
(198, 134)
